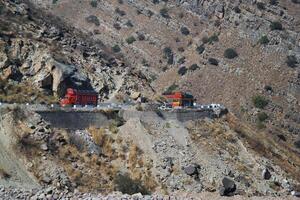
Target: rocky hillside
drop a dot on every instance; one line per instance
(242, 54)
(141, 153)
(41, 56)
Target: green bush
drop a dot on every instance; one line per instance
(291, 61)
(181, 60)
(171, 88)
(164, 13)
(264, 40)
(230, 53)
(273, 2)
(54, 1)
(260, 101)
(260, 5)
(129, 23)
(237, 9)
(276, 26)
(213, 38)
(182, 71)
(130, 40)
(296, 1)
(120, 12)
(167, 51)
(184, 30)
(193, 67)
(200, 49)
(94, 3)
(116, 48)
(93, 19)
(126, 185)
(213, 61)
(262, 116)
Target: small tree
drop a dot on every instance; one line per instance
(184, 30)
(193, 67)
(130, 40)
(230, 53)
(120, 12)
(264, 40)
(273, 2)
(262, 116)
(164, 13)
(93, 19)
(213, 38)
(116, 48)
(291, 61)
(182, 70)
(213, 61)
(276, 26)
(260, 5)
(94, 3)
(260, 101)
(200, 49)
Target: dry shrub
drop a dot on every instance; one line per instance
(113, 127)
(103, 140)
(133, 156)
(98, 135)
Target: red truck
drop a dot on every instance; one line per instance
(180, 99)
(79, 97)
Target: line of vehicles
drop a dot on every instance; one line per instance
(173, 100)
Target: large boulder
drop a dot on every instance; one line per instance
(228, 187)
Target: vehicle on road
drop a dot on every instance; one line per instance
(180, 99)
(79, 97)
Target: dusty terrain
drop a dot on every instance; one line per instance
(244, 55)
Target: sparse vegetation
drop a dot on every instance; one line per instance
(213, 38)
(141, 36)
(171, 88)
(273, 2)
(113, 127)
(260, 101)
(276, 25)
(200, 49)
(230, 53)
(93, 19)
(264, 40)
(168, 54)
(120, 12)
(129, 24)
(297, 144)
(260, 5)
(130, 40)
(116, 48)
(164, 13)
(184, 30)
(213, 61)
(296, 1)
(117, 26)
(94, 3)
(193, 67)
(291, 61)
(127, 185)
(262, 116)
(182, 70)
(237, 9)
